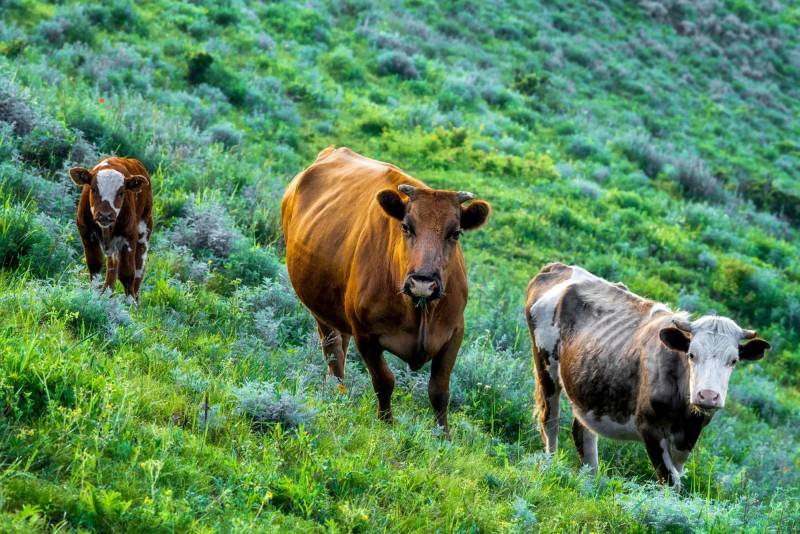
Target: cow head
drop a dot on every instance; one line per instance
(431, 222)
(107, 188)
(713, 345)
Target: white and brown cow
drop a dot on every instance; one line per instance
(115, 219)
(631, 368)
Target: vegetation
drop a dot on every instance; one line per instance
(652, 142)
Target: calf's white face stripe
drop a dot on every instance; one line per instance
(108, 183)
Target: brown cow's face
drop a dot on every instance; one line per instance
(431, 222)
(712, 347)
(107, 188)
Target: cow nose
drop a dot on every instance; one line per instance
(708, 398)
(105, 218)
(421, 286)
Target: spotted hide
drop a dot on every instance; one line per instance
(115, 220)
(631, 368)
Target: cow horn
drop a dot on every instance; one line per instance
(408, 190)
(749, 334)
(463, 196)
(682, 324)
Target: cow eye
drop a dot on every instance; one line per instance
(691, 356)
(404, 227)
(456, 235)
(733, 363)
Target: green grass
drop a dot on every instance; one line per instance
(654, 146)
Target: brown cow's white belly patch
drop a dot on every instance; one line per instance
(605, 426)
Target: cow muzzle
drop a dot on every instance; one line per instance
(423, 287)
(105, 219)
(708, 399)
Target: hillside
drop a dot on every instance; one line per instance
(656, 143)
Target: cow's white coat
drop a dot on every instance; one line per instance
(546, 331)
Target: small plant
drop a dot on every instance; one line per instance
(226, 134)
(265, 404)
(397, 64)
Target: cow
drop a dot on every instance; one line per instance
(631, 368)
(374, 254)
(115, 219)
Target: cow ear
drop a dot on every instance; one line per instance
(753, 349)
(675, 339)
(475, 215)
(136, 182)
(80, 176)
(392, 204)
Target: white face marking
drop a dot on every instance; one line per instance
(108, 183)
(546, 332)
(714, 347)
(609, 428)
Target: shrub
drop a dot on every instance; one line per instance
(695, 179)
(531, 83)
(87, 309)
(581, 148)
(252, 264)
(639, 149)
(34, 242)
(203, 69)
(276, 312)
(265, 404)
(341, 65)
(206, 229)
(14, 108)
(457, 93)
(397, 63)
(226, 134)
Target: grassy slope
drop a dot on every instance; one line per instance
(654, 144)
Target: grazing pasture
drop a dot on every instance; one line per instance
(654, 143)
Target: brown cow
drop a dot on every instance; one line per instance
(631, 368)
(383, 267)
(115, 218)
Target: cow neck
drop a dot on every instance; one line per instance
(422, 332)
(106, 233)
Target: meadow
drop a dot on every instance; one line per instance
(652, 142)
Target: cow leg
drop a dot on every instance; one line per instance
(334, 348)
(439, 384)
(586, 443)
(658, 450)
(93, 254)
(382, 377)
(548, 391)
(126, 269)
(142, 246)
(112, 264)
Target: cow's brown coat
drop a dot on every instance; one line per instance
(349, 253)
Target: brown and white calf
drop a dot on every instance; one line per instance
(631, 368)
(115, 219)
